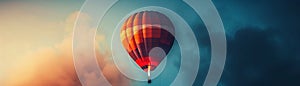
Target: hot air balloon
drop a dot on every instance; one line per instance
(144, 31)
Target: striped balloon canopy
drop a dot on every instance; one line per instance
(142, 32)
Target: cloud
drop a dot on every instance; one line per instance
(258, 56)
(47, 66)
(262, 42)
(53, 66)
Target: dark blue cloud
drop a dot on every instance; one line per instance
(263, 42)
(262, 57)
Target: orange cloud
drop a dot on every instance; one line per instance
(53, 66)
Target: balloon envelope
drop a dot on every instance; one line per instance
(142, 32)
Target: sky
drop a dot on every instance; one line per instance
(26, 26)
(30, 32)
(262, 43)
(263, 46)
